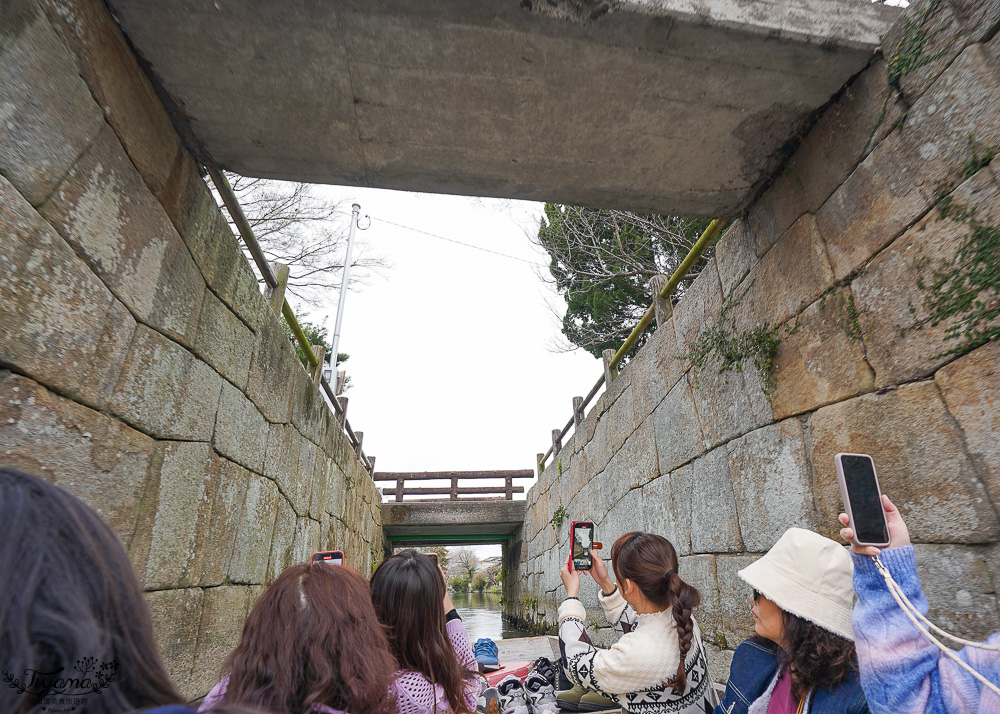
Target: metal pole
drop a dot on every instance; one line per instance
(355, 211)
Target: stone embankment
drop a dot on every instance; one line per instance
(142, 370)
(853, 262)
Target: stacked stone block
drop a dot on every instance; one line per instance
(837, 253)
(140, 367)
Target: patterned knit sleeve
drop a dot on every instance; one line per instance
(459, 637)
(633, 663)
(214, 697)
(620, 614)
(578, 652)
(901, 670)
(414, 694)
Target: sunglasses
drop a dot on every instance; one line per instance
(756, 595)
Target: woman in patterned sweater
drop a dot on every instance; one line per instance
(658, 664)
(438, 671)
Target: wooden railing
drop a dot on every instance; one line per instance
(454, 490)
(662, 288)
(275, 277)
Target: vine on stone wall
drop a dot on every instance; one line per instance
(967, 288)
(731, 349)
(558, 516)
(908, 57)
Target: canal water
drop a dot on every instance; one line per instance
(483, 616)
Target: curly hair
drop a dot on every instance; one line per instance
(312, 639)
(650, 561)
(816, 657)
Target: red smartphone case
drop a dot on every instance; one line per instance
(571, 528)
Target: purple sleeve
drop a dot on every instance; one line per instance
(215, 695)
(900, 670)
(463, 651)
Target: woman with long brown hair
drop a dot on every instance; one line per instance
(438, 671)
(658, 664)
(802, 658)
(312, 643)
(74, 625)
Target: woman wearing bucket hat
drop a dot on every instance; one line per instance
(802, 658)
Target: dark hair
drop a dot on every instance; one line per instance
(650, 562)
(313, 639)
(817, 658)
(408, 592)
(71, 602)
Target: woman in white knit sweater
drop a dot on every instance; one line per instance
(658, 664)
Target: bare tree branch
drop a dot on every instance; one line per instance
(306, 231)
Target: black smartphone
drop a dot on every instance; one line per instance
(582, 537)
(333, 557)
(862, 499)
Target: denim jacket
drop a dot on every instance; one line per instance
(754, 672)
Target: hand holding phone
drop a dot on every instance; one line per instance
(570, 578)
(899, 534)
(581, 535)
(862, 500)
(333, 557)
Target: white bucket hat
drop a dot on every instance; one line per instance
(809, 576)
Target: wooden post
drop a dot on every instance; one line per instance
(320, 352)
(540, 463)
(371, 464)
(361, 437)
(341, 381)
(399, 489)
(510, 488)
(276, 295)
(609, 374)
(556, 442)
(577, 412)
(343, 410)
(454, 488)
(661, 305)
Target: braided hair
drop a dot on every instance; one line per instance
(650, 561)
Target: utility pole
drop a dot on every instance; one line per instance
(355, 211)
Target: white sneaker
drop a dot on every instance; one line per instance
(513, 699)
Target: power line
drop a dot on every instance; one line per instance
(452, 240)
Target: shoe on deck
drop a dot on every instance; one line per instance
(486, 653)
(569, 699)
(513, 699)
(489, 701)
(593, 701)
(541, 694)
(544, 666)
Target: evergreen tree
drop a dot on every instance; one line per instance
(601, 262)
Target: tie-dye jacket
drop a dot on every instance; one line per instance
(901, 672)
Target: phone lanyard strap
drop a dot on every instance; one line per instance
(802, 703)
(910, 611)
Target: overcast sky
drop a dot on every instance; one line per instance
(451, 362)
(450, 351)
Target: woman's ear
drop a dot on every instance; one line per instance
(627, 587)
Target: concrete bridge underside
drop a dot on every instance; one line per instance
(452, 523)
(673, 106)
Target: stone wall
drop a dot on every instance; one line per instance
(140, 367)
(889, 194)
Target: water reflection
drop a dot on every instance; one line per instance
(483, 616)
